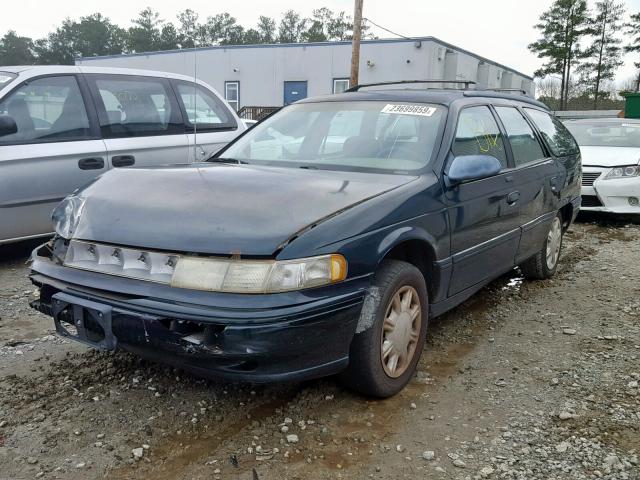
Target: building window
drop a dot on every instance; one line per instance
(340, 85)
(232, 94)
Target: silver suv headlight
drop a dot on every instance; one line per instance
(66, 215)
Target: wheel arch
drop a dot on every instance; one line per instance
(417, 248)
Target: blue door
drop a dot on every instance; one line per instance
(294, 91)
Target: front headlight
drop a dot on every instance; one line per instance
(623, 172)
(66, 215)
(258, 276)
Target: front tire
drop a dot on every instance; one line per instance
(383, 357)
(545, 263)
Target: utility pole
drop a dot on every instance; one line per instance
(357, 36)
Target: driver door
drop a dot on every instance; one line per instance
(483, 214)
(56, 150)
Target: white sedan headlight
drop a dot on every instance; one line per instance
(623, 172)
(66, 215)
(258, 276)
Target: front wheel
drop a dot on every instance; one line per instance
(545, 263)
(383, 357)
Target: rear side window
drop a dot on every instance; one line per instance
(524, 144)
(477, 133)
(204, 110)
(47, 109)
(558, 138)
(136, 106)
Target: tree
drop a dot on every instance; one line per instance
(222, 29)
(59, 46)
(266, 29)
(604, 55)
(562, 27)
(291, 27)
(16, 50)
(96, 35)
(189, 30)
(145, 35)
(633, 30)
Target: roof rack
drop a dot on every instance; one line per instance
(355, 88)
(507, 90)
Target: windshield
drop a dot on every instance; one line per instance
(5, 78)
(602, 134)
(356, 136)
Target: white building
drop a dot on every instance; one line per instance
(273, 75)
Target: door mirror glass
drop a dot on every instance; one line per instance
(473, 167)
(8, 125)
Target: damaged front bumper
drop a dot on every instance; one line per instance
(258, 338)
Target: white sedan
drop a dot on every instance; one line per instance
(610, 150)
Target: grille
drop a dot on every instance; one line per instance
(589, 177)
(591, 201)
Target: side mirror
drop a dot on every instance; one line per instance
(8, 125)
(473, 167)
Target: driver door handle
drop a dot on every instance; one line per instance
(91, 163)
(513, 197)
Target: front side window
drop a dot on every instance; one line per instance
(135, 106)
(554, 132)
(340, 85)
(47, 109)
(623, 133)
(356, 136)
(204, 110)
(232, 94)
(477, 133)
(524, 144)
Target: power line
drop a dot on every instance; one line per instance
(386, 29)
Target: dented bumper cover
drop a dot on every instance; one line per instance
(258, 338)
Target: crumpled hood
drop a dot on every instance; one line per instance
(219, 209)
(609, 156)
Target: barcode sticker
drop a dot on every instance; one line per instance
(421, 110)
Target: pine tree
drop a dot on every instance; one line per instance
(633, 30)
(562, 27)
(604, 55)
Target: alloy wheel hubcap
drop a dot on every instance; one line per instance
(554, 240)
(400, 331)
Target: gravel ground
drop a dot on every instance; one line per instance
(533, 380)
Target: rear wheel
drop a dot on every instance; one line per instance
(384, 356)
(545, 263)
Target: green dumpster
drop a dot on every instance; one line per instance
(632, 105)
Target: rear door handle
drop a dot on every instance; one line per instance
(513, 197)
(554, 184)
(91, 163)
(123, 160)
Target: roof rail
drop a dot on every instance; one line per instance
(507, 90)
(355, 88)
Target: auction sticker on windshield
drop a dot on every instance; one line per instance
(421, 110)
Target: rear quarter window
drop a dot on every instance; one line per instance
(558, 138)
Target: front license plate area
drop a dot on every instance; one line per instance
(84, 321)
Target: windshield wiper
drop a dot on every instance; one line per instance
(226, 160)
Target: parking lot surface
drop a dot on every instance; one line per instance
(526, 380)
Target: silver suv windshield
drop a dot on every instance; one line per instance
(359, 136)
(625, 133)
(5, 78)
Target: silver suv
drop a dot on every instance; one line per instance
(61, 127)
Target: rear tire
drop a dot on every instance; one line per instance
(544, 264)
(383, 357)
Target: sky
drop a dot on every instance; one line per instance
(497, 29)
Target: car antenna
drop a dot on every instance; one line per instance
(195, 99)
